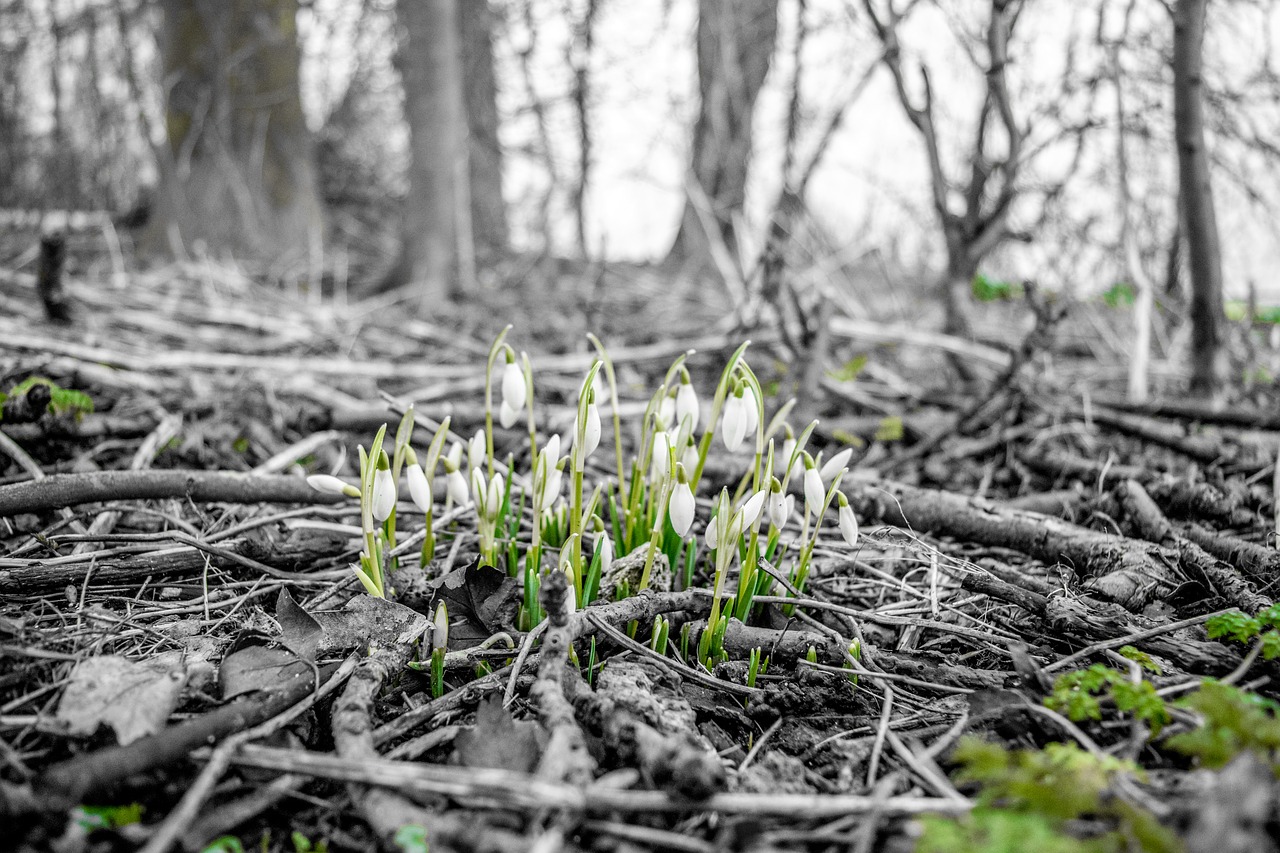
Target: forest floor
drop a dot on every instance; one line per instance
(1053, 631)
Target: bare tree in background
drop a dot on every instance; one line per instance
(436, 251)
(735, 47)
(1208, 364)
(238, 173)
(480, 98)
(979, 223)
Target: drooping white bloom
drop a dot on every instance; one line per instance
(686, 406)
(508, 415)
(777, 503)
(419, 488)
(751, 510)
(591, 432)
(551, 450)
(455, 455)
(680, 509)
(329, 485)
(494, 494)
(690, 456)
(456, 485)
(751, 409)
(551, 488)
(814, 492)
(712, 534)
(514, 390)
(834, 464)
(476, 449)
(848, 523)
(733, 424)
(384, 494)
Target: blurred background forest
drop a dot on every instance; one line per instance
(802, 156)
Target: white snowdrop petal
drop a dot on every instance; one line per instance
(752, 508)
(456, 484)
(508, 415)
(592, 437)
(835, 463)
(750, 409)
(711, 534)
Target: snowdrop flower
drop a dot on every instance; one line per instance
(686, 406)
(454, 455)
(494, 494)
(751, 510)
(476, 449)
(419, 488)
(478, 489)
(680, 508)
(514, 390)
(788, 448)
(690, 456)
(777, 505)
(733, 425)
(456, 486)
(835, 463)
(591, 432)
(384, 494)
(848, 522)
(711, 534)
(331, 485)
(814, 493)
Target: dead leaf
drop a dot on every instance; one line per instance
(482, 601)
(499, 741)
(258, 667)
(300, 629)
(133, 697)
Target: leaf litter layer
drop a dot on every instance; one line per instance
(1049, 592)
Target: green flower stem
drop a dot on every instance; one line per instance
(613, 400)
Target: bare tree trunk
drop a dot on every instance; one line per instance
(239, 172)
(436, 252)
(1208, 364)
(480, 97)
(735, 47)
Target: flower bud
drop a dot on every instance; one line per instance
(494, 495)
(605, 547)
(456, 486)
(384, 494)
(477, 449)
(848, 522)
(419, 488)
(751, 409)
(660, 465)
(440, 627)
(680, 508)
(590, 432)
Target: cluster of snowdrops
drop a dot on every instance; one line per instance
(645, 507)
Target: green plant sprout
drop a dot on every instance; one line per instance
(61, 400)
(1079, 694)
(1233, 721)
(1262, 628)
(1043, 800)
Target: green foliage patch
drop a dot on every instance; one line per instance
(61, 401)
